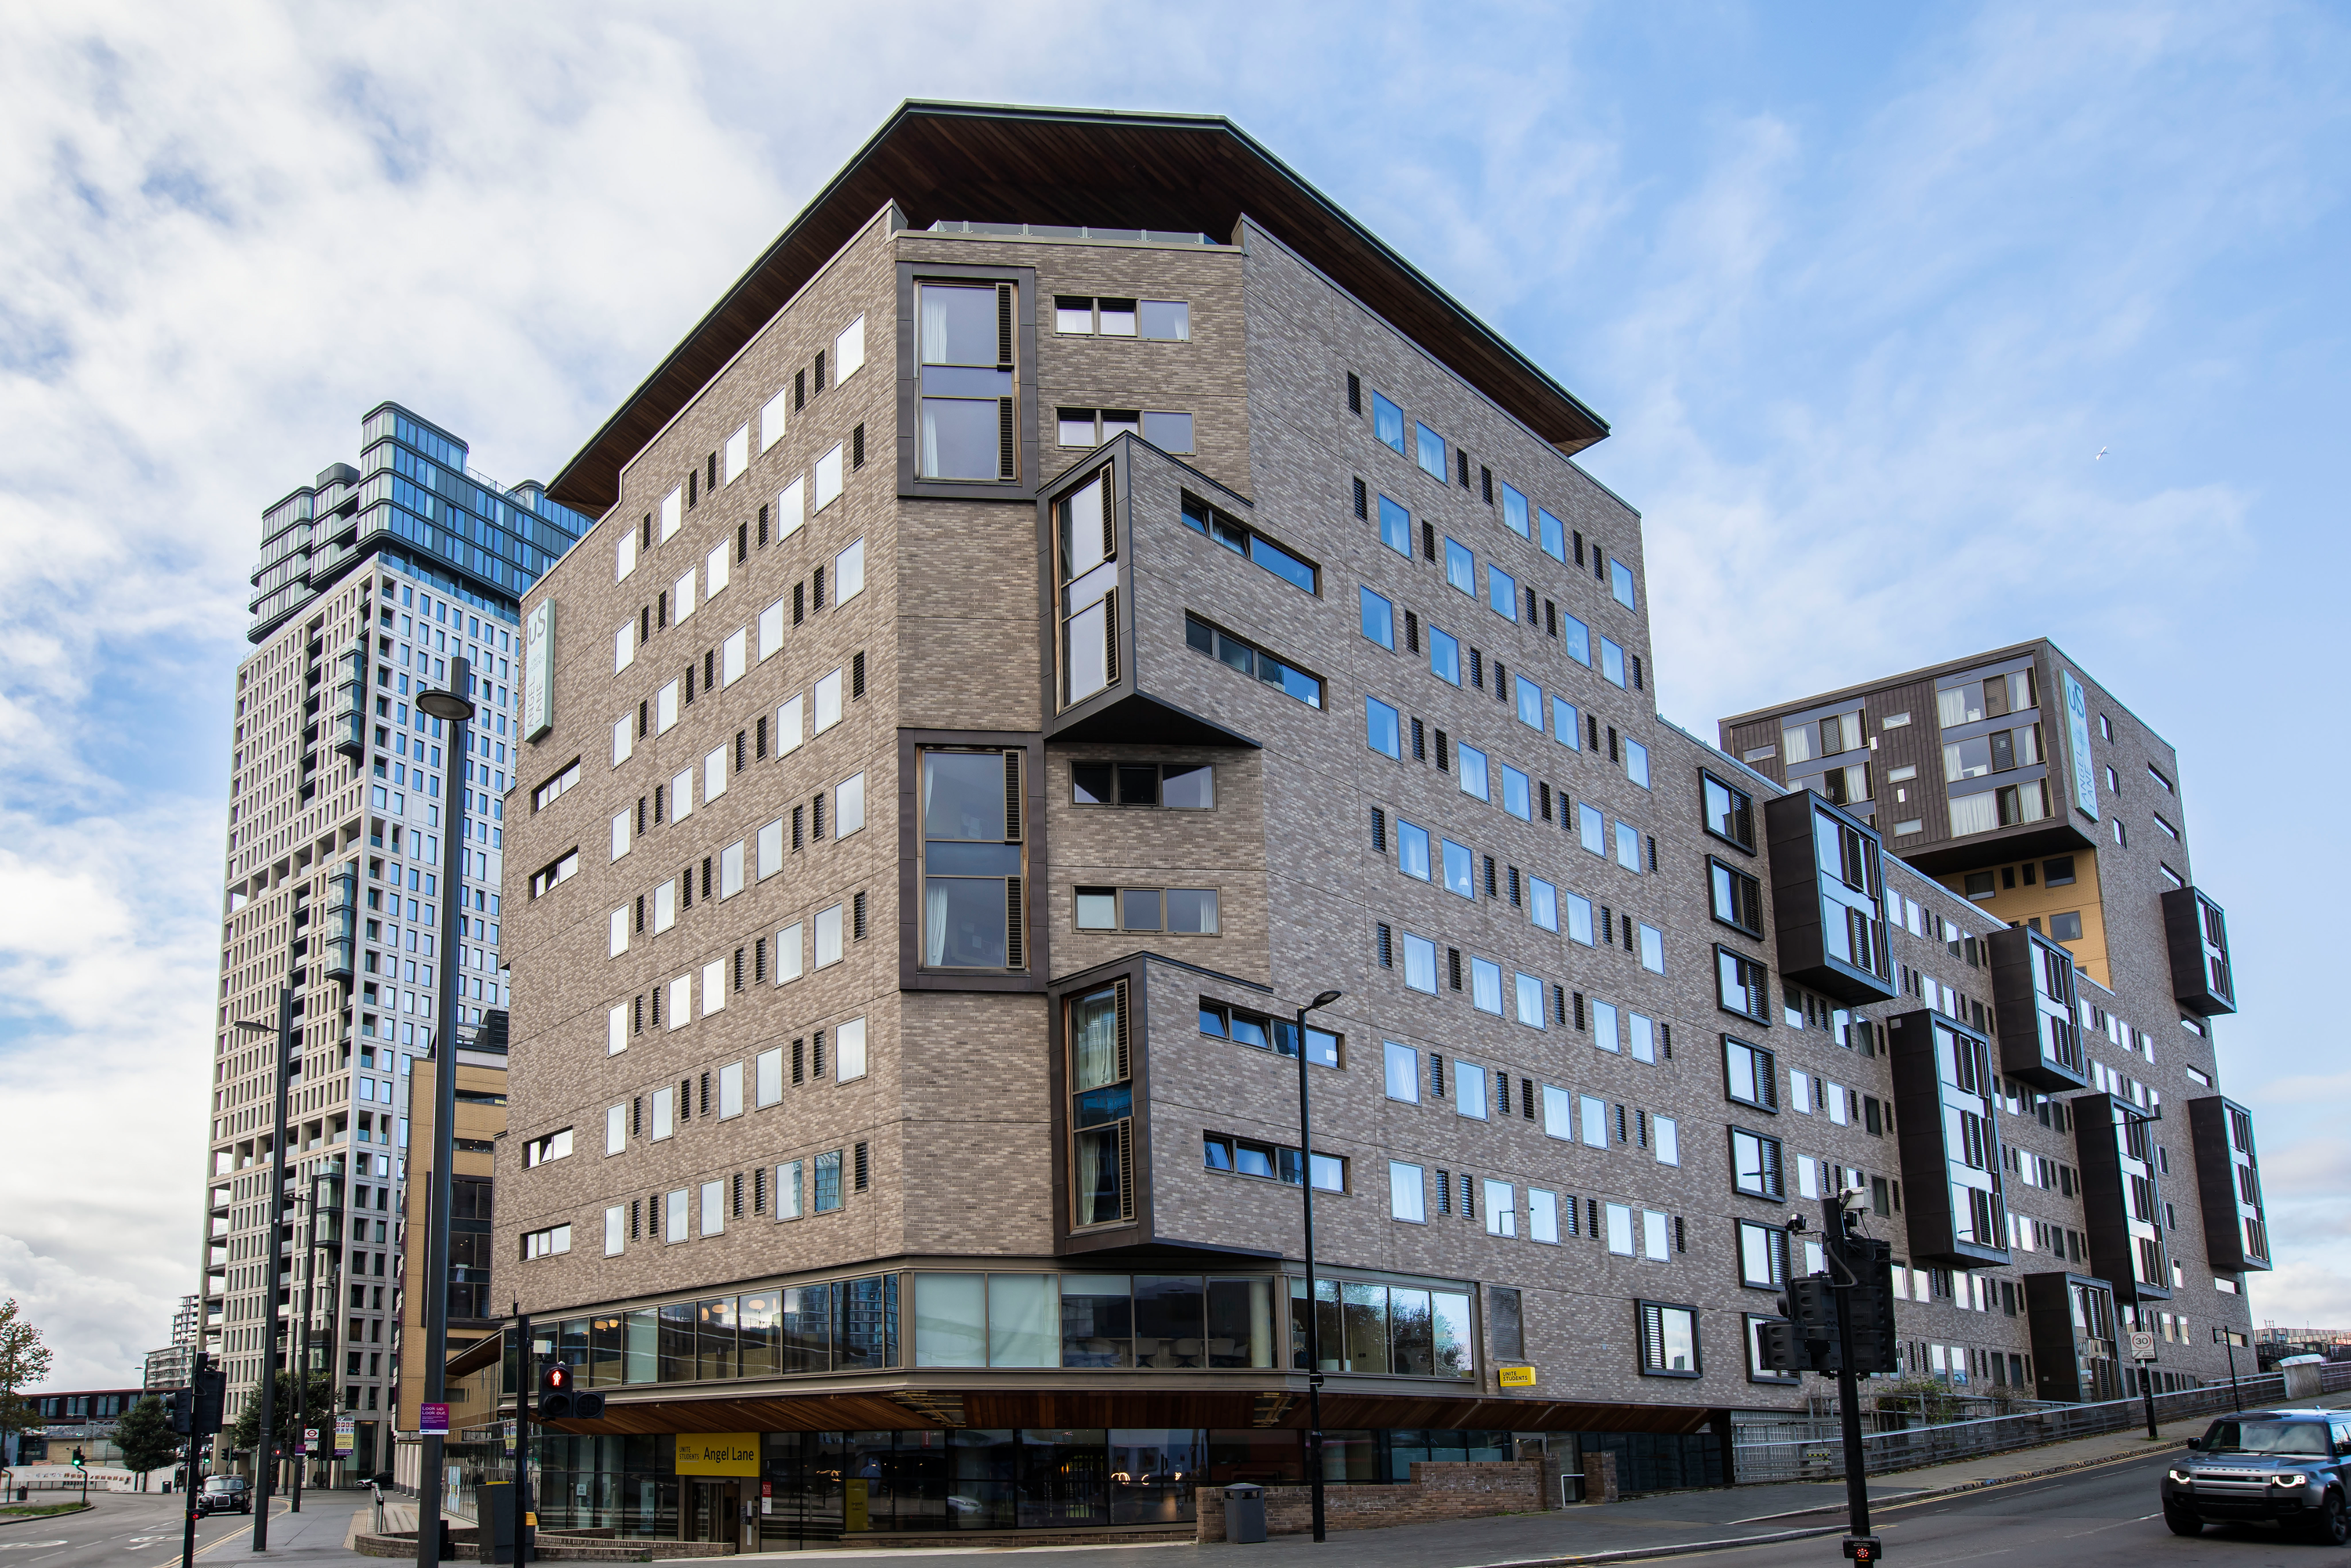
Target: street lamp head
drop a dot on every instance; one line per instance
(251, 1026)
(1324, 1000)
(451, 705)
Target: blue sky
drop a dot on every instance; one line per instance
(1861, 290)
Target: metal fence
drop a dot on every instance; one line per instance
(1823, 1458)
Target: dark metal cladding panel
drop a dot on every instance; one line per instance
(1923, 1133)
(1799, 907)
(2106, 1199)
(2015, 953)
(2193, 984)
(2223, 1205)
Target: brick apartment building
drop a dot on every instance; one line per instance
(1076, 598)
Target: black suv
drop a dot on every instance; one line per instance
(2276, 1467)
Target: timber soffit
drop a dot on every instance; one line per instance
(1005, 164)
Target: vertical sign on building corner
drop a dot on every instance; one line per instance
(2077, 720)
(538, 672)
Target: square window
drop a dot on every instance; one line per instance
(1396, 527)
(1379, 622)
(1419, 963)
(1388, 423)
(1502, 593)
(1408, 1191)
(1168, 431)
(1486, 985)
(1115, 318)
(1139, 908)
(1428, 451)
(1530, 697)
(1192, 911)
(1461, 567)
(1164, 320)
(1530, 992)
(1749, 1074)
(1073, 315)
(1469, 1090)
(1412, 849)
(1669, 1341)
(1457, 875)
(1755, 1164)
(1542, 903)
(1383, 728)
(1402, 1066)
(1444, 656)
(1075, 427)
(1517, 796)
(1473, 773)
(1097, 908)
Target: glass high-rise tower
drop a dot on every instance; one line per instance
(340, 793)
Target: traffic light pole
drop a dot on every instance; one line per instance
(265, 1462)
(1860, 1545)
(526, 1390)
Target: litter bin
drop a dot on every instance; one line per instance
(1245, 1512)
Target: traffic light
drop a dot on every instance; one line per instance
(179, 1407)
(1783, 1348)
(1804, 1338)
(78, 1462)
(208, 1392)
(560, 1401)
(1870, 1304)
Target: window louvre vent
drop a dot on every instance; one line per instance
(1014, 931)
(1004, 325)
(1126, 1050)
(1012, 796)
(1006, 460)
(1126, 1169)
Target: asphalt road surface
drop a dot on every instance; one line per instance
(137, 1530)
(2110, 1515)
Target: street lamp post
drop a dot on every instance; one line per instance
(1313, 1306)
(452, 705)
(273, 1263)
(302, 1376)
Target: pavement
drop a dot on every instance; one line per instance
(127, 1530)
(2087, 1501)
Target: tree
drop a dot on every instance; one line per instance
(145, 1437)
(320, 1411)
(24, 1362)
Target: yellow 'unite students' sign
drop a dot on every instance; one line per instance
(718, 1453)
(1518, 1377)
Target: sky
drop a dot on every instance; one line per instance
(1862, 291)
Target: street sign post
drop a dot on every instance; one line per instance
(2142, 1349)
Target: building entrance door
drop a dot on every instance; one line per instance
(715, 1512)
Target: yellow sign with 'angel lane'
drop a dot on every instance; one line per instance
(718, 1453)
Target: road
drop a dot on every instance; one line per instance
(2086, 1519)
(137, 1530)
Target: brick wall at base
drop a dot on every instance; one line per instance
(1446, 1490)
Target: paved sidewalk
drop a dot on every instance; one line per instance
(317, 1534)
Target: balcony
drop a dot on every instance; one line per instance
(2228, 1183)
(1828, 888)
(2122, 1202)
(2036, 1010)
(1948, 1129)
(2195, 930)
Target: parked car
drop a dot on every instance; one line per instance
(225, 1494)
(2288, 1467)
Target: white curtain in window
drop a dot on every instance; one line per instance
(1974, 814)
(1093, 1028)
(934, 915)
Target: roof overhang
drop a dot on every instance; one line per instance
(993, 163)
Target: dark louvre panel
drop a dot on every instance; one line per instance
(1126, 1169)
(1014, 957)
(1008, 455)
(857, 447)
(1125, 1051)
(1012, 796)
(1362, 501)
(1110, 638)
(1354, 393)
(1110, 515)
(1004, 325)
